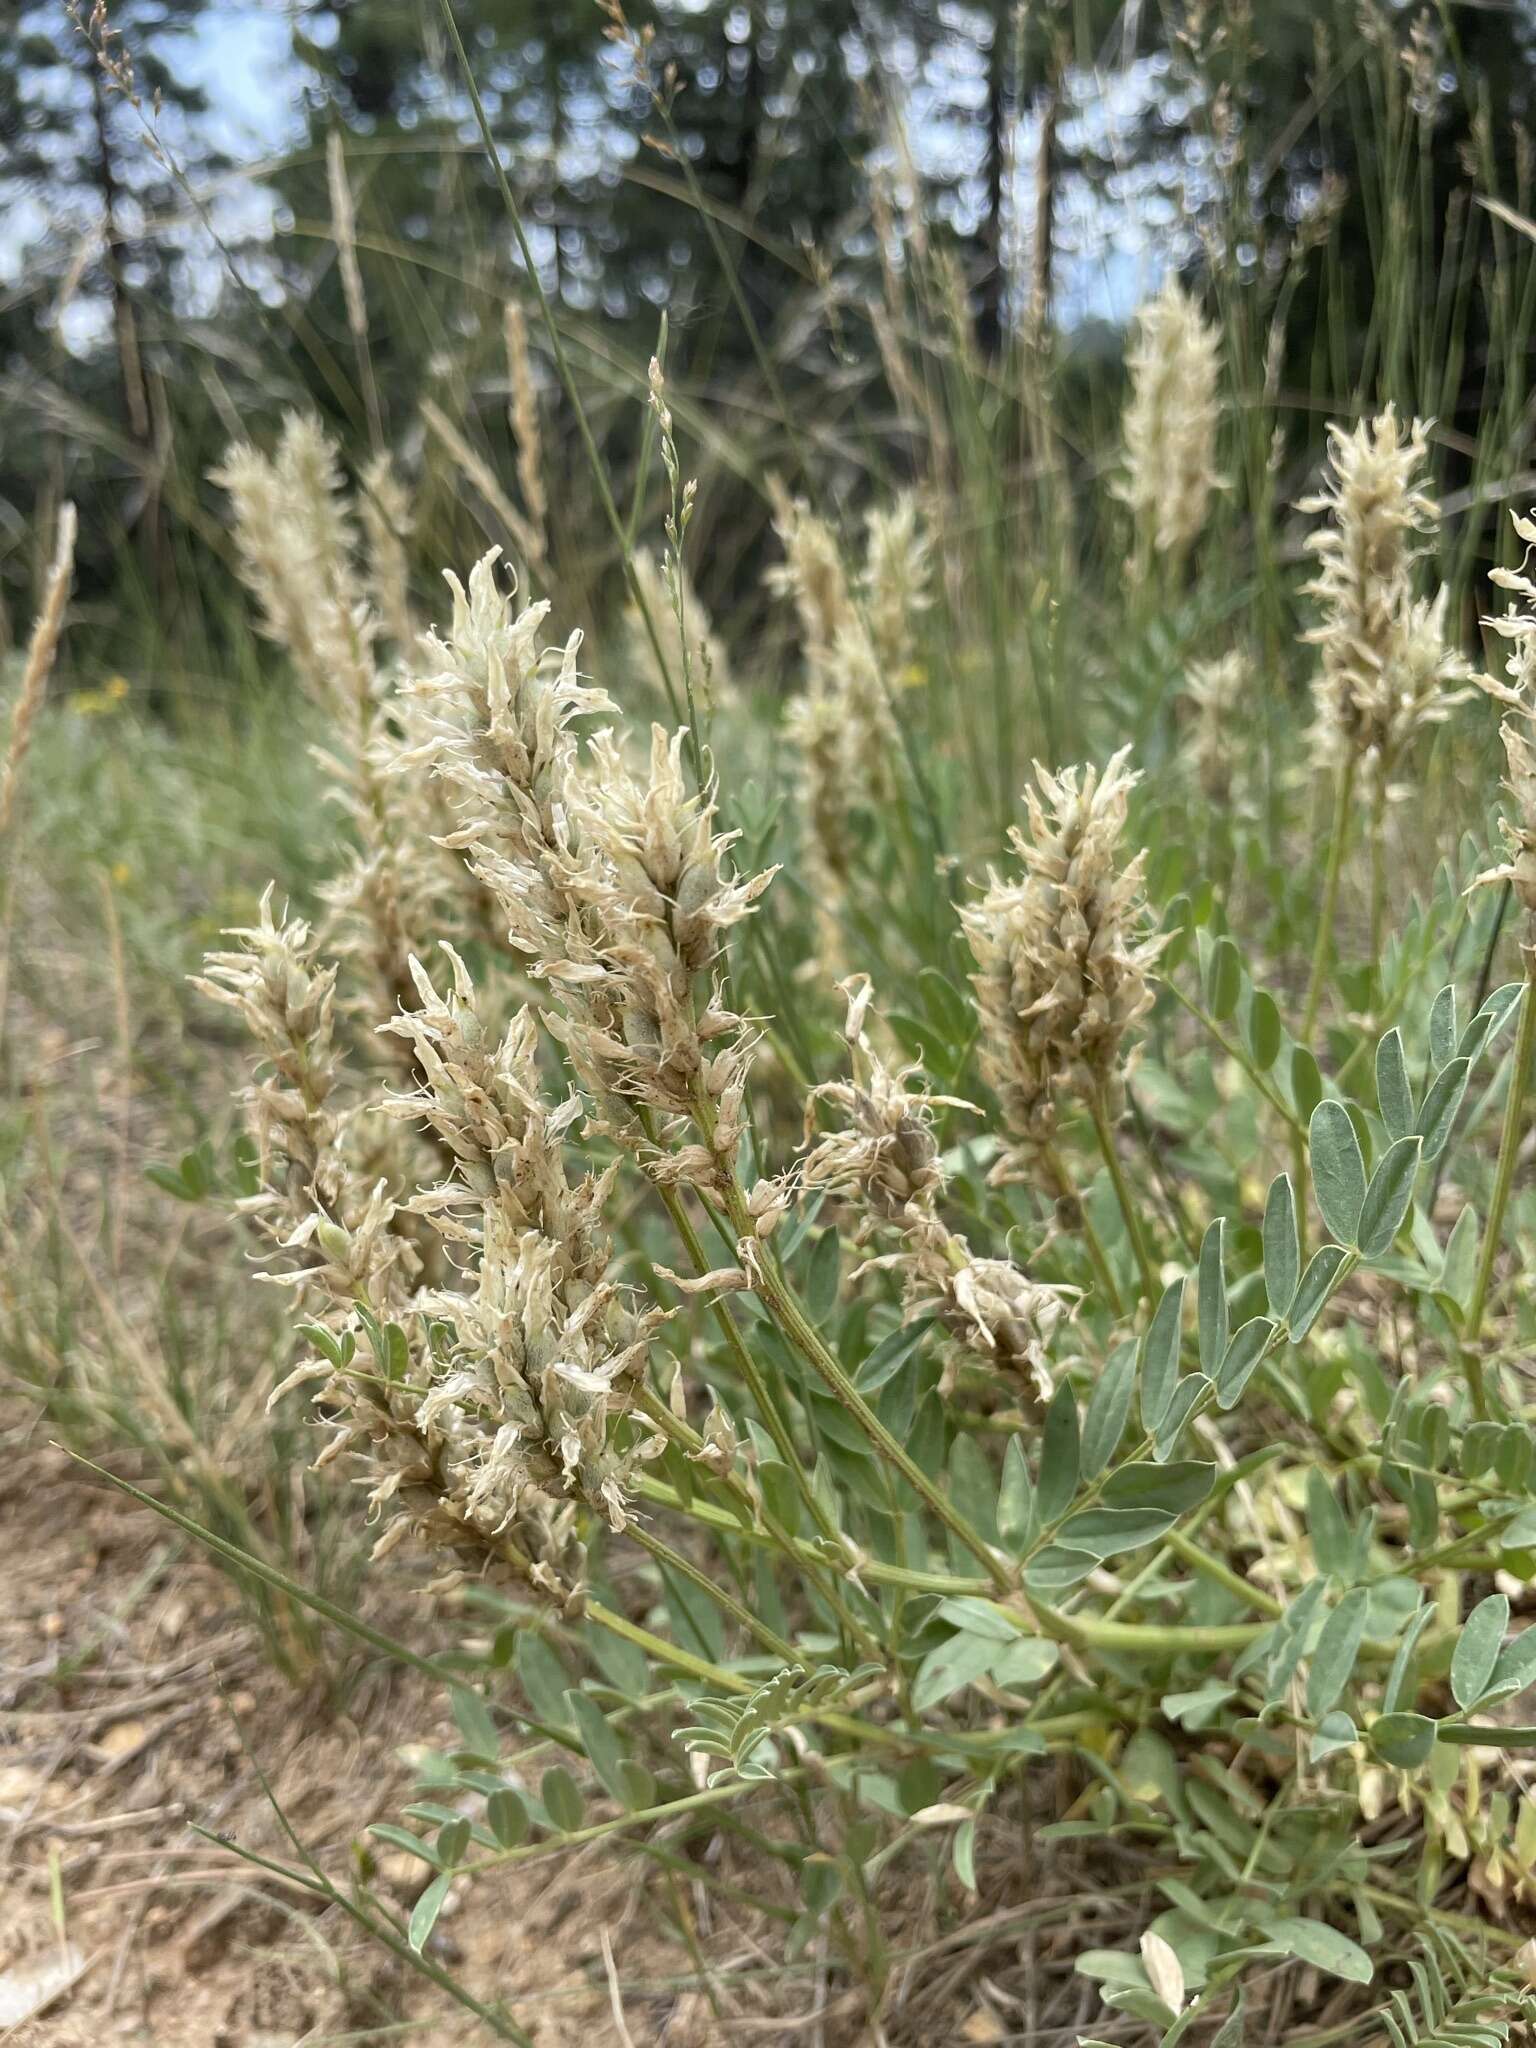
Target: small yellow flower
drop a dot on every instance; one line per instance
(101, 703)
(121, 873)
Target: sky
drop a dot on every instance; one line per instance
(1108, 254)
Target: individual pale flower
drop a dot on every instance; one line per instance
(882, 1147)
(286, 1002)
(1171, 422)
(653, 877)
(1062, 954)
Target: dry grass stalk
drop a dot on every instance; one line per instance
(527, 433)
(38, 666)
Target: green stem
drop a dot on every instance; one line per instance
(1322, 951)
(1234, 1051)
(752, 1379)
(1106, 1138)
(1097, 1256)
(787, 1312)
(727, 1602)
(803, 1553)
(773, 1533)
(1378, 871)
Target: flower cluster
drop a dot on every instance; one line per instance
(881, 1157)
(1219, 691)
(1386, 670)
(300, 556)
(1171, 422)
(843, 725)
(487, 1408)
(615, 885)
(1517, 626)
(1062, 955)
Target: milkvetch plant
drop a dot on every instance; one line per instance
(993, 1417)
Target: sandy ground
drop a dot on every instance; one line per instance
(131, 1686)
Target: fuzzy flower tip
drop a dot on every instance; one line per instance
(1062, 957)
(1171, 421)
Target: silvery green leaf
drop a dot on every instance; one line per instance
(1388, 1196)
(1282, 1246)
(1442, 1026)
(1490, 1020)
(1016, 1495)
(1316, 1286)
(954, 1664)
(1186, 1395)
(1055, 1568)
(1460, 1269)
(507, 1816)
(1224, 980)
(1242, 1359)
(1334, 1654)
(1335, 1732)
(1060, 1452)
(1212, 1297)
(1105, 1532)
(1160, 1355)
(1262, 1031)
(1394, 1094)
(1306, 1082)
(1338, 1170)
(560, 1799)
(1441, 1106)
(1025, 1661)
(1477, 1650)
(1313, 1941)
(1403, 1740)
(1109, 1405)
(426, 1909)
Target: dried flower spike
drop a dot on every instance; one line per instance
(1062, 955)
(1386, 670)
(1170, 424)
(882, 1158)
